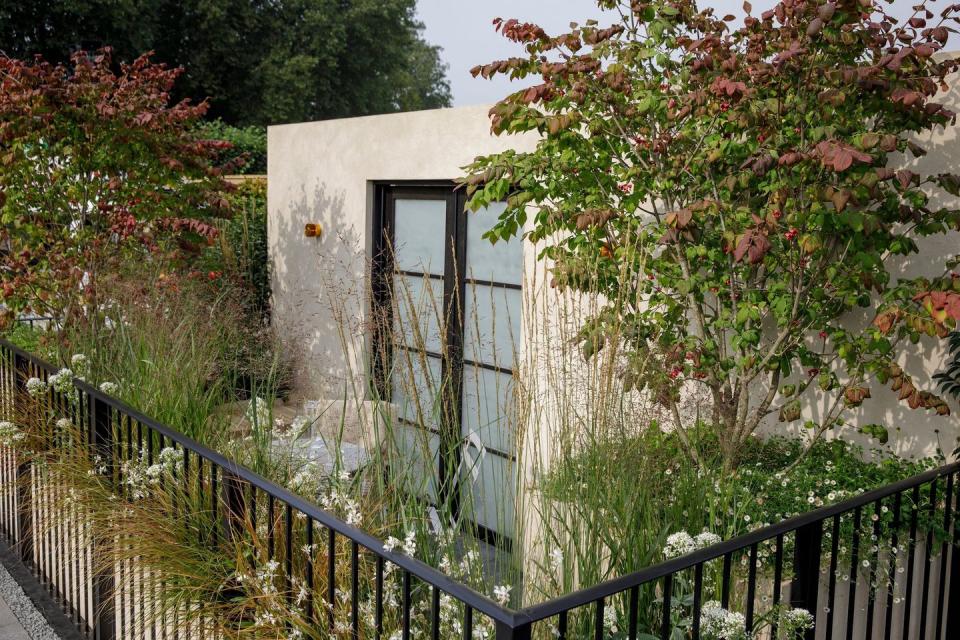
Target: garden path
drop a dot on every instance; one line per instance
(19, 617)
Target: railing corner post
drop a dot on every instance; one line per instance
(508, 632)
(804, 590)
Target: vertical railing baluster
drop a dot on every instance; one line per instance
(832, 578)
(697, 600)
(598, 620)
(894, 557)
(806, 569)
(24, 527)
(435, 614)
(378, 588)
(503, 631)
(331, 575)
(666, 622)
(751, 589)
(925, 585)
(874, 566)
(941, 587)
(103, 580)
(408, 604)
(952, 628)
(911, 559)
(355, 590)
(634, 615)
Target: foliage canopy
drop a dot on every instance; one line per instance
(259, 61)
(94, 165)
(735, 193)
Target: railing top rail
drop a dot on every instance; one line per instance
(416, 568)
(618, 585)
(511, 618)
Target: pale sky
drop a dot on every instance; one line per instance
(463, 29)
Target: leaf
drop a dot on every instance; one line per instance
(876, 431)
(905, 177)
(840, 199)
(854, 396)
(916, 149)
(679, 219)
(809, 243)
(753, 245)
(790, 411)
(869, 140)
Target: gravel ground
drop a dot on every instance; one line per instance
(26, 613)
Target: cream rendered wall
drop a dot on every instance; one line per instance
(324, 172)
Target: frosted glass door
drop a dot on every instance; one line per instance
(491, 335)
(454, 329)
(419, 335)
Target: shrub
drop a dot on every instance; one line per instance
(247, 152)
(98, 168)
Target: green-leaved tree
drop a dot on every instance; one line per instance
(734, 193)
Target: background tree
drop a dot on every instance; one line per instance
(96, 168)
(259, 61)
(734, 194)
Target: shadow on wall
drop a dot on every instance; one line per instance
(320, 285)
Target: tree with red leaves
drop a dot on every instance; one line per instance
(734, 192)
(96, 168)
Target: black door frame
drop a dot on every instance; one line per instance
(452, 362)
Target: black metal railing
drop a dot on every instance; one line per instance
(879, 565)
(33, 322)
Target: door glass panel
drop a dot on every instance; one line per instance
(420, 235)
(489, 486)
(419, 450)
(500, 262)
(419, 309)
(416, 388)
(489, 409)
(491, 325)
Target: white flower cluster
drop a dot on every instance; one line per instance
(80, 364)
(62, 381)
(717, 623)
(408, 546)
(681, 543)
(110, 388)
(140, 475)
(341, 504)
(36, 387)
(10, 434)
(258, 412)
(794, 620)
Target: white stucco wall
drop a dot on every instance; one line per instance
(324, 172)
